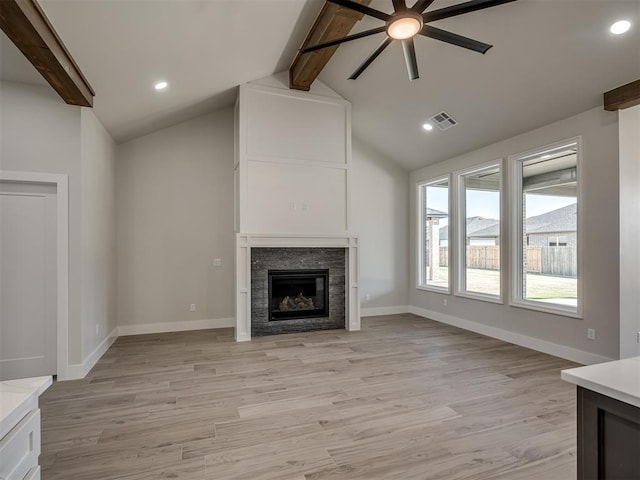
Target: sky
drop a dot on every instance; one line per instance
(486, 204)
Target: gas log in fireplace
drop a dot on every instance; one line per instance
(298, 294)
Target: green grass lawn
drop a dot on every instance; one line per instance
(539, 287)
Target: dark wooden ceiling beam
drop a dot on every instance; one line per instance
(333, 22)
(622, 97)
(26, 24)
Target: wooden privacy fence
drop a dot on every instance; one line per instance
(560, 261)
(485, 257)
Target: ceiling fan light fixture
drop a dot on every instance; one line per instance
(404, 26)
(620, 27)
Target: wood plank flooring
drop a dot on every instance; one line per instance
(405, 398)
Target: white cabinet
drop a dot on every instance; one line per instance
(20, 427)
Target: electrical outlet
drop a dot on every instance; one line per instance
(192, 307)
(367, 297)
(445, 302)
(591, 333)
(217, 262)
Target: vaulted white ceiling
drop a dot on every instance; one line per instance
(551, 59)
(203, 48)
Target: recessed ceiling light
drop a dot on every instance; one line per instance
(428, 127)
(161, 85)
(620, 27)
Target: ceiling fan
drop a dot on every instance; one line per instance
(405, 23)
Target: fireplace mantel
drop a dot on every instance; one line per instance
(244, 244)
(292, 175)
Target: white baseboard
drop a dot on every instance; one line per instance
(557, 350)
(375, 311)
(78, 371)
(165, 327)
(243, 337)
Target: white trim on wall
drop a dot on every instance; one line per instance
(80, 370)
(555, 349)
(421, 201)
(244, 244)
(61, 182)
(167, 327)
(375, 311)
(460, 243)
(516, 295)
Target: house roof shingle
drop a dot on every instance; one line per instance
(560, 220)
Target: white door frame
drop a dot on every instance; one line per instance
(61, 182)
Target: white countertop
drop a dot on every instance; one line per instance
(17, 398)
(619, 379)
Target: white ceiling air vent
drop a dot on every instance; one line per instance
(443, 121)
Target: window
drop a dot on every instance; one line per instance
(479, 232)
(558, 241)
(546, 229)
(433, 214)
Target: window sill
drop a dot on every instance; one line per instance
(547, 308)
(481, 297)
(442, 290)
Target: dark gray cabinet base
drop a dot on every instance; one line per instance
(608, 438)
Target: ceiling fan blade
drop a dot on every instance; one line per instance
(338, 41)
(410, 57)
(384, 44)
(399, 5)
(462, 8)
(454, 39)
(372, 12)
(422, 5)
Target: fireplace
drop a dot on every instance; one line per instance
(313, 279)
(298, 294)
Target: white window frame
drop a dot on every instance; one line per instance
(460, 240)
(421, 234)
(516, 296)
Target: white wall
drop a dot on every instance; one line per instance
(174, 216)
(98, 211)
(600, 252)
(294, 156)
(379, 200)
(39, 133)
(629, 231)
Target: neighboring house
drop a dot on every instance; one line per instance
(554, 229)
(434, 214)
(483, 231)
(480, 231)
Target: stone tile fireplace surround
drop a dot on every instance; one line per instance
(264, 260)
(256, 254)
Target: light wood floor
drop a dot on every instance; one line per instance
(405, 398)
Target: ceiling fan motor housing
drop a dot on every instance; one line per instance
(403, 25)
